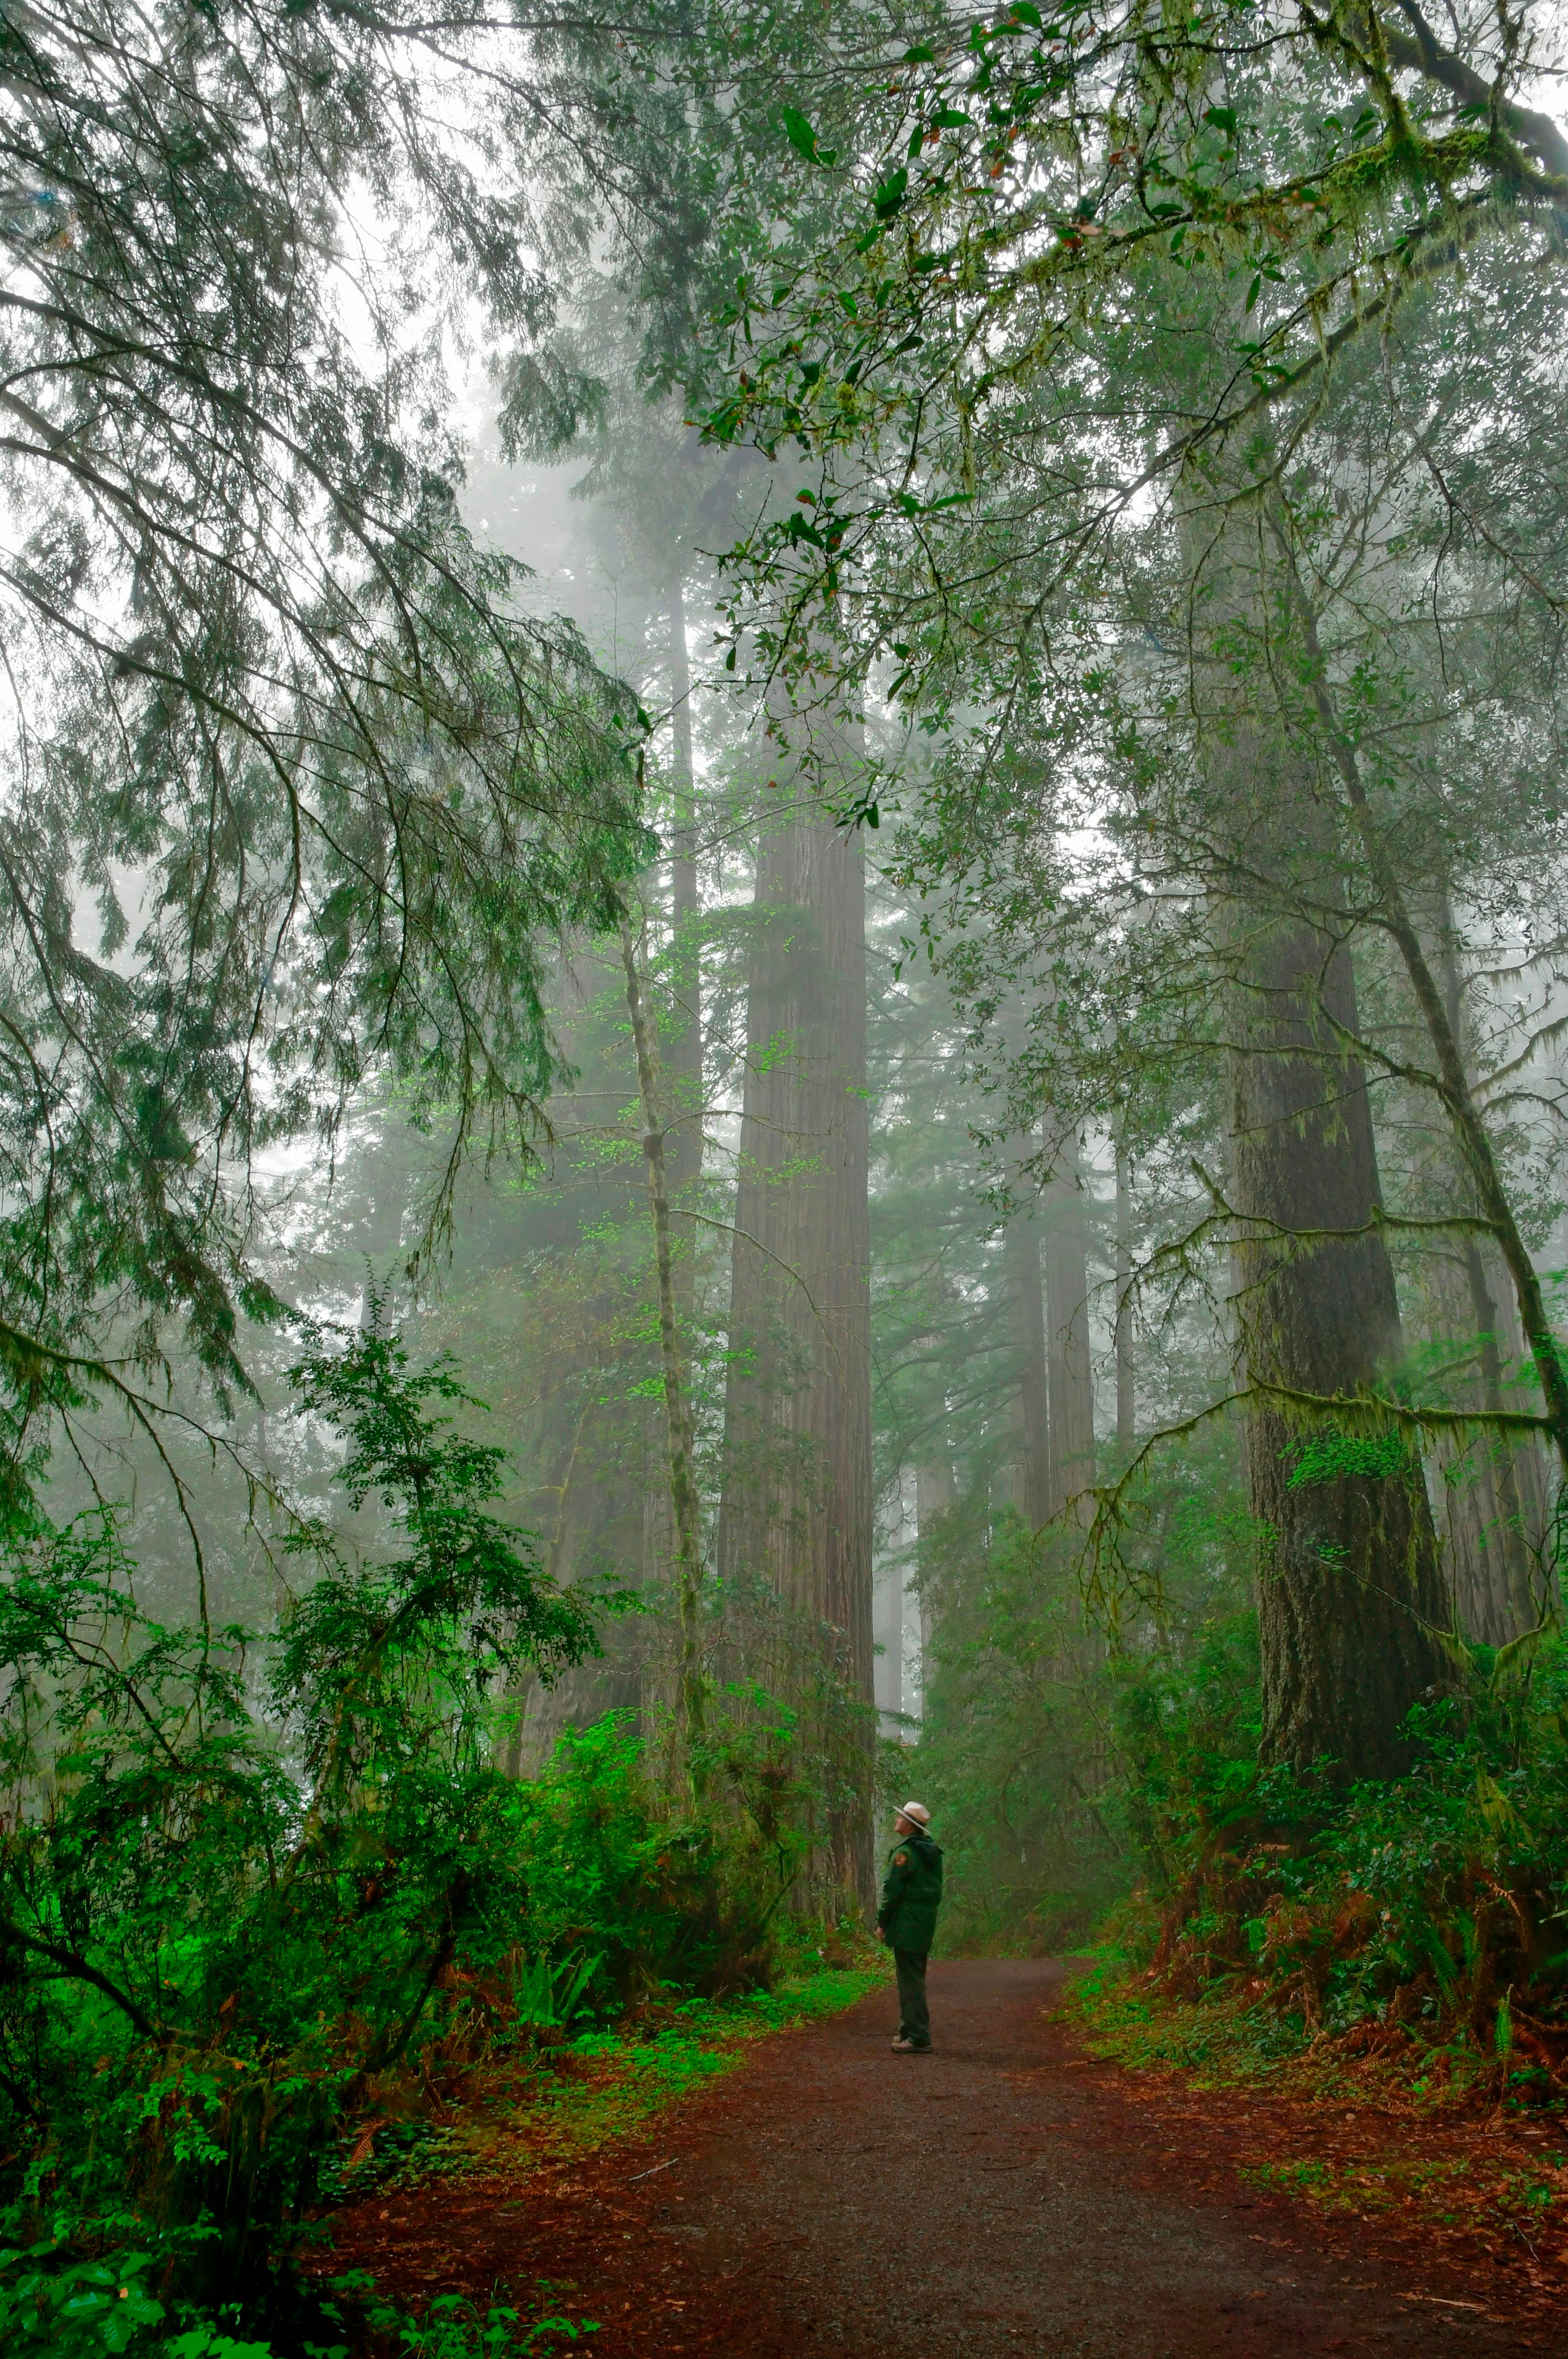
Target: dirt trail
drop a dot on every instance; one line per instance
(1000, 2194)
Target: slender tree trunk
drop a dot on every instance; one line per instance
(796, 1504)
(1352, 1605)
(690, 1700)
(1034, 1501)
(1127, 1420)
(1067, 1332)
(891, 1638)
(683, 1054)
(935, 1494)
(1515, 1608)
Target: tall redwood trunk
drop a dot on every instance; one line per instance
(1352, 1602)
(796, 1503)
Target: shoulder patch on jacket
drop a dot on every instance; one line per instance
(900, 1859)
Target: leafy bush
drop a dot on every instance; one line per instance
(1430, 1910)
(664, 1898)
(249, 1882)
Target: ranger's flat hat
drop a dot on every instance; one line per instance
(916, 1812)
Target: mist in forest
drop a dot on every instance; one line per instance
(784, 1009)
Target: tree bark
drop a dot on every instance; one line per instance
(935, 1494)
(1067, 1326)
(891, 1638)
(1034, 1501)
(1351, 1600)
(1126, 1403)
(797, 1504)
(1512, 1535)
(682, 1054)
(689, 1694)
(1352, 1604)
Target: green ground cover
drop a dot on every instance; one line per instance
(548, 2102)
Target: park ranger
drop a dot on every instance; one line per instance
(907, 1921)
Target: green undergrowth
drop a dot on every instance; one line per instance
(1122, 2013)
(1445, 2185)
(1382, 2125)
(1407, 1936)
(610, 2082)
(274, 1916)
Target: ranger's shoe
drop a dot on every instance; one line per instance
(908, 2048)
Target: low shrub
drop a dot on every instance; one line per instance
(1430, 1910)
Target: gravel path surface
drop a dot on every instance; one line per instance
(1002, 2195)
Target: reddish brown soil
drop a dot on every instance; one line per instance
(1002, 2195)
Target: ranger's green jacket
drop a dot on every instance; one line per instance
(911, 1894)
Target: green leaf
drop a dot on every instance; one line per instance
(1222, 118)
(800, 135)
(889, 197)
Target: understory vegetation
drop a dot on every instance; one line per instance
(830, 739)
(261, 1893)
(1422, 1922)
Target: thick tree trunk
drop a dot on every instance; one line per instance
(796, 1504)
(1352, 1604)
(1466, 1504)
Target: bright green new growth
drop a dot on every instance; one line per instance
(1331, 1457)
(247, 1877)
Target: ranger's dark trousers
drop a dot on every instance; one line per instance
(914, 2015)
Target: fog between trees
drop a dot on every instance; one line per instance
(1056, 730)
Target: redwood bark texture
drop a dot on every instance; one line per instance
(797, 1504)
(1352, 1601)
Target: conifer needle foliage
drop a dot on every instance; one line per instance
(298, 790)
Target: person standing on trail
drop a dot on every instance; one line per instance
(907, 1921)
